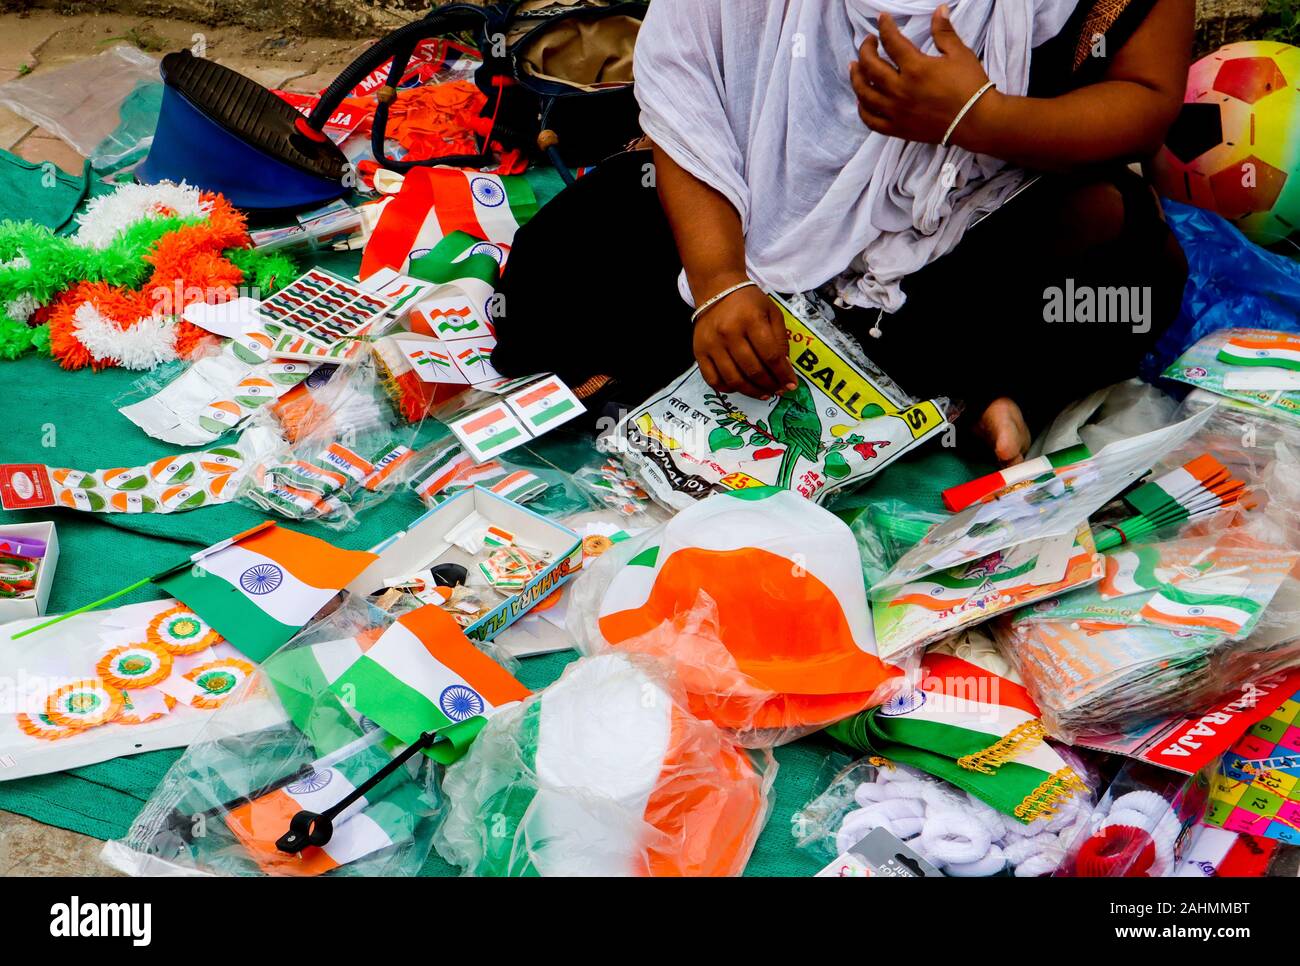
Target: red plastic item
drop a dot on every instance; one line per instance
(1121, 851)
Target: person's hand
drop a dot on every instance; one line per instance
(740, 344)
(919, 98)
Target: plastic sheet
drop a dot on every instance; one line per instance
(1229, 279)
(1115, 412)
(105, 106)
(960, 834)
(286, 742)
(756, 599)
(1047, 507)
(348, 452)
(1138, 827)
(605, 772)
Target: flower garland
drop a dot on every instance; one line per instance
(112, 293)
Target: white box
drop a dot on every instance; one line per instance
(421, 545)
(12, 610)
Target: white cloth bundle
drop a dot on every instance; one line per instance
(955, 831)
(754, 100)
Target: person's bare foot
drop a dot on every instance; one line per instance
(1003, 427)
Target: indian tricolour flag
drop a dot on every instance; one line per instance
(973, 728)
(947, 589)
(423, 674)
(380, 819)
(259, 588)
(490, 431)
(546, 404)
(1181, 608)
(301, 677)
(1130, 571)
(1278, 350)
(434, 203)
(464, 263)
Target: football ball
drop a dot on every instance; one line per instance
(1235, 147)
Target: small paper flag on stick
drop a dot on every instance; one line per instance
(1197, 488)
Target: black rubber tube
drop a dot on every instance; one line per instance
(446, 20)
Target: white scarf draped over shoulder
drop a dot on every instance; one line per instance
(753, 98)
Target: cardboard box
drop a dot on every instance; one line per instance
(421, 545)
(16, 609)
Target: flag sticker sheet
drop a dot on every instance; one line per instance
(171, 484)
(320, 316)
(520, 417)
(1257, 788)
(1254, 366)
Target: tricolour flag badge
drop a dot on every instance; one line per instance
(474, 359)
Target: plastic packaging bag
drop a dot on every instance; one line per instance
(198, 401)
(106, 106)
(756, 599)
(286, 742)
(1115, 412)
(843, 423)
(604, 773)
(351, 451)
(1229, 279)
(950, 829)
(1139, 827)
(444, 468)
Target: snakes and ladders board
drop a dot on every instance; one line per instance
(838, 427)
(1257, 787)
(319, 317)
(171, 484)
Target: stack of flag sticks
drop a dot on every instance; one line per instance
(1195, 489)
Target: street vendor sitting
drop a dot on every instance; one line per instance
(853, 148)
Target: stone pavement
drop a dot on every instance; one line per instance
(31, 44)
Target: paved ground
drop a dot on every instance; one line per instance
(39, 42)
(35, 44)
(30, 848)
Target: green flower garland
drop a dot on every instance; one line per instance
(36, 265)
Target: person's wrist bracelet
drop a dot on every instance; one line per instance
(715, 299)
(947, 135)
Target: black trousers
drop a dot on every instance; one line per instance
(1061, 291)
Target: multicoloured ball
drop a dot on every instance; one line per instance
(1235, 147)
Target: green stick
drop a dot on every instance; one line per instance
(81, 610)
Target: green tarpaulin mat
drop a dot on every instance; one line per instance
(69, 419)
(42, 192)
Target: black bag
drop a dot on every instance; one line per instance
(557, 75)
